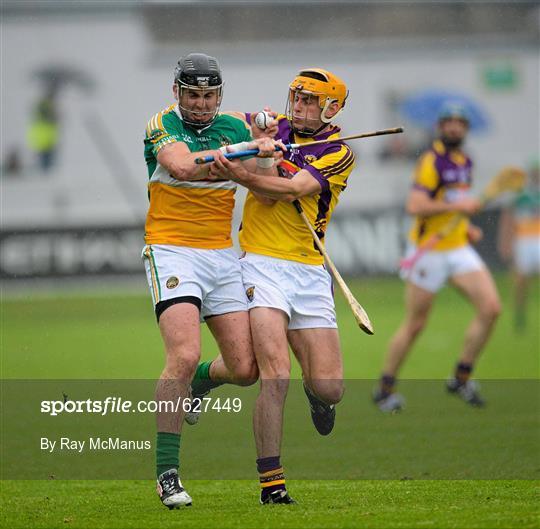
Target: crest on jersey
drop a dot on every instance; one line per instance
(309, 158)
(224, 140)
(156, 134)
(250, 292)
(172, 282)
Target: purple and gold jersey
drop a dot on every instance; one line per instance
(278, 230)
(444, 176)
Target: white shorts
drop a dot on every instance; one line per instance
(213, 276)
(433, 269)
(304, 292)
(527, 255)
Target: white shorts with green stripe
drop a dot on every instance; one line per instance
(213, 276)
(527, 255)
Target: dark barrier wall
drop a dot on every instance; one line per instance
(373, 242)
(358, 242)
(71, 252)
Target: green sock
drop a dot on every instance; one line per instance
(167, 452)
(202, 383)
(519, 320)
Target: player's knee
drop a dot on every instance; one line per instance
(416, 326)
(496, 309)
(277, 369)
(491, 310)
(329, 391)
(181, 363)
(246, 373)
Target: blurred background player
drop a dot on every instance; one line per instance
(519, 240)
(288, 288)
(44, 131)
(440, 191)
(192, 270)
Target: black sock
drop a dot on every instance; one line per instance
(463, 372)
(387, 385)
(271, 476)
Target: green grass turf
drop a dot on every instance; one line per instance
(115, 336)
(111, 335)
(233, 504)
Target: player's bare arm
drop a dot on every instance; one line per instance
(179, 161)
(252, 166)
(302, 184)
(420, 203)
(263, 163)
(263, 125)
(474, 234)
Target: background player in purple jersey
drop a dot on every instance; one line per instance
(289, 290)
(440, 192)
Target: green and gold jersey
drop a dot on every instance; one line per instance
(197, 214)
(527, 213)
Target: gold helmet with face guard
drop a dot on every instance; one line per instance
(325, 86)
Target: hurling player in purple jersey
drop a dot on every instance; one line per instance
(440, 196)
(289, 291)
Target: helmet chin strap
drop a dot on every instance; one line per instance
(307, 133)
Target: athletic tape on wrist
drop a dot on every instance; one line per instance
(265, 163)
(235, 147)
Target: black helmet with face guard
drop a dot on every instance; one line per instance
(198, 72)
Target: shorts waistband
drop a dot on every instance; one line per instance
(260, 258)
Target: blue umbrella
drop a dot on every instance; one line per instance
(422, 108)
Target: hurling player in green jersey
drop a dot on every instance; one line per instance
(519, 240)
(193, 272)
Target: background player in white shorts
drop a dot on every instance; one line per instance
(519, 240)
(192, 270)
(288, 289)
(440, 192)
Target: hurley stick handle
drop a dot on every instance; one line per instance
(253, 152)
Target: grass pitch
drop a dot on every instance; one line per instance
(108, 335)
(233, 504)
(103, 334)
